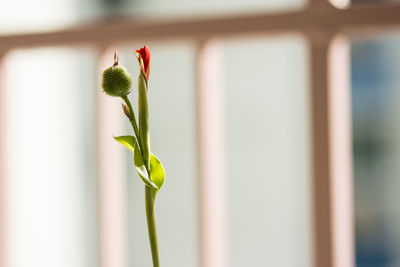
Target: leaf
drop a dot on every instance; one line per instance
(130, 142)
(141, 168)
(127, 140)
(157, 173)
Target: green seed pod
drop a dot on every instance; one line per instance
(116, 81)
(144, 129)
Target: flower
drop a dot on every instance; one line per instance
(143, 55)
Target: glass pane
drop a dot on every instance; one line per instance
(376, 144)
(268, 152)
(51, 209)
(173, 125)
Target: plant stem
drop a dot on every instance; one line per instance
(133, 121)
(150, 195)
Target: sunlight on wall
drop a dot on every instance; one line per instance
(268, 152)
(46, 183)
(25, 16)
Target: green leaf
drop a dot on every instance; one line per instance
(141, 168)
(127, 140)
(157, 173)
(130, 142)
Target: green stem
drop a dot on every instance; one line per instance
(150, 195)
(133, 121)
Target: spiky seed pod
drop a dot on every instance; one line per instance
(116, 81)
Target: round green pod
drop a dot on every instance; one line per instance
(116, 81)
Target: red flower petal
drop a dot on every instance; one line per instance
(144, 54)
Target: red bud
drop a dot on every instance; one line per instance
(144, 60)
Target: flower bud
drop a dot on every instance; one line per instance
(126, 111)
(143, 55)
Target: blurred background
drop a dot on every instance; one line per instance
(50, 192)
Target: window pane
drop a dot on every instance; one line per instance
(268, 152)
(50, 213)
(376, 144)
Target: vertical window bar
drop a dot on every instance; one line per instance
(3, 162)
(211, 156)
(332, 169)
(321, 176)
(111, 176)
(341, 152)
